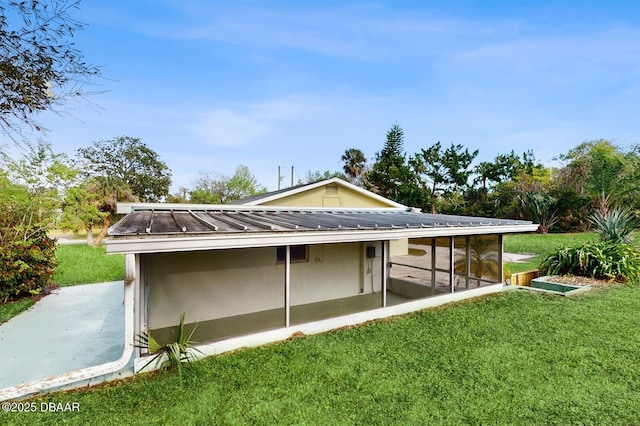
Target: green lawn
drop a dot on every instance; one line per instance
(82, 264)
(513, 358)
(541, 245)
(11, 309)
(77, 264)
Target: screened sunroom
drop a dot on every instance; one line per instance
(251, 275)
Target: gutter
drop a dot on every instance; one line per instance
(40, 385)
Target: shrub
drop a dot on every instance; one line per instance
(601, 260)
(615, 225)
(27, 264)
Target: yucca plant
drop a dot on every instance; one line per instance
(615, 225)
(179, 351)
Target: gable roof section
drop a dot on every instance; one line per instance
(218, 227)
(269, 197)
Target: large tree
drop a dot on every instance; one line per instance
(390, 175)
(40, 68)
(355, 165)
(602, 171)
(81, 209)
(216, 188)
(128, 162)
(443, 174)
(122, 169)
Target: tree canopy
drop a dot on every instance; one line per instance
(128, 162)
(40, 68)
(216, 188)
(595, 175)
(390, 175)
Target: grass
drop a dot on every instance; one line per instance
(541, 245)
(82, 264)
(77, 264)
(544, 244)
(11, 309)
(512, 358)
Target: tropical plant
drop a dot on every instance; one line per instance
(541, 208)
(615, 225)
(355, 164)
(170, 355)
(600, 260)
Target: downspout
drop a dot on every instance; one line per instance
(71, 377)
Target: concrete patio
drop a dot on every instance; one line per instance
(70, 329)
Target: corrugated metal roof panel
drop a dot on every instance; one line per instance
(239, 220)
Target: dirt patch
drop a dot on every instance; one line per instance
(581, 281)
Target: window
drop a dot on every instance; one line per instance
(298, 254)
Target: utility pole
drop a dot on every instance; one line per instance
(278, 178)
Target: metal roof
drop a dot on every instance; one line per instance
(242, 220)
(219, 227)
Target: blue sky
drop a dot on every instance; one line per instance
(210, 85)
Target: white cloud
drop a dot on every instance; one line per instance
(249, 124)
(223, 127)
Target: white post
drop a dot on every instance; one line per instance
(468, 261)
(287, 286)
(434, 275)
(501, 258)
(385, 272)
(451, 264)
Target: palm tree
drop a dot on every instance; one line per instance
(354, 163)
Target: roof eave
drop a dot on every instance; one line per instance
(154, 244)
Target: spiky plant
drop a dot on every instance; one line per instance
(177, 352)
(615, 225)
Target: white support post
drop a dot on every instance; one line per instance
(140, 294)
(385, 271)
(434, 275)
(501, 258)
(287, 286)
(468, 261)
(451, 264)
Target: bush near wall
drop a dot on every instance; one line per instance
(599, 259)
(27, 264)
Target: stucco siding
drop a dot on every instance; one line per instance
(334, 271)
(216, 284)
(212, 284)
(328, 196)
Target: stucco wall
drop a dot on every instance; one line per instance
(221, 283)
(328, 196)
